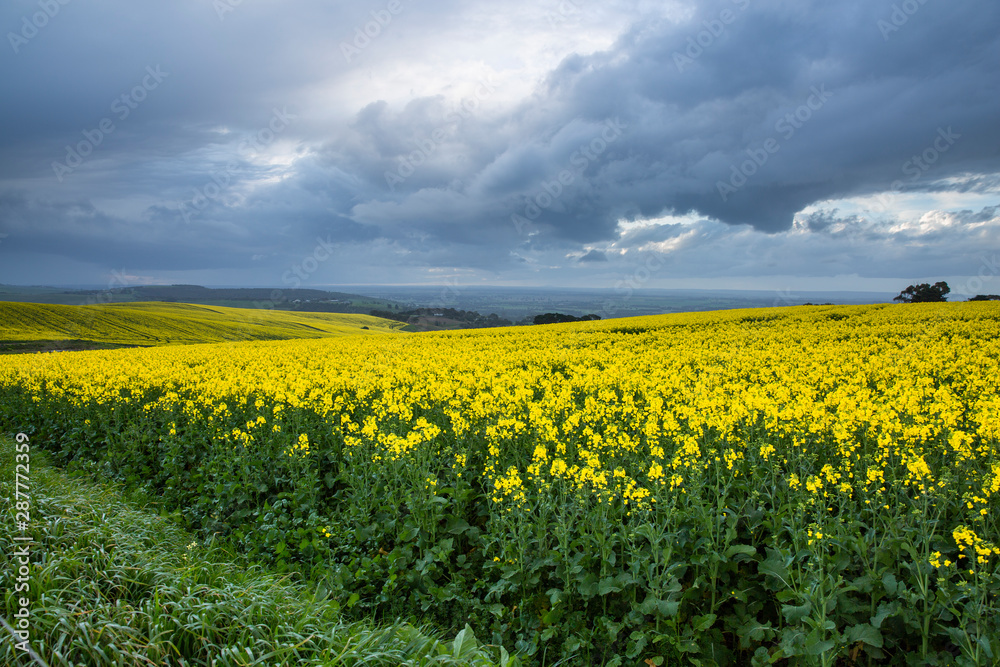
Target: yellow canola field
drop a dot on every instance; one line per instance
(839, 398)
(761, 484)
(171, 323)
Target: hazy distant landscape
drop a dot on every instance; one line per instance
(512, 303)
(517, 302)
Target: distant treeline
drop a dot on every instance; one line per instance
(557, 318)
(469, 318)
(473, 319)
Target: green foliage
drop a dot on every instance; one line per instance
(559, 318)
(469, 319)
(924, 293)
(733, 573)
(114, 584)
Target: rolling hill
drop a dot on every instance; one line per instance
(301, 300)
(23, 325)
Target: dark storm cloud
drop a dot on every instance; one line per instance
(788, 104)
(791, 103)
(745, 111)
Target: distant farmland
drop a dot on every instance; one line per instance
(24, 326)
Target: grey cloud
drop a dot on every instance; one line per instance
(691, 130)
(694, 117)
(594, 256)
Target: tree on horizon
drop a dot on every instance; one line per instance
(924, 293)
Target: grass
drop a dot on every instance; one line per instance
(154, 323)
(115, 583)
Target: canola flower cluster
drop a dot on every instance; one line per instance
(835, 404)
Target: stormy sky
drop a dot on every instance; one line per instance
(705, 144)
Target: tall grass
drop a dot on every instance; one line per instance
(117, 584)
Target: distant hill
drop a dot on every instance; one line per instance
(300, 300)
(28, 326)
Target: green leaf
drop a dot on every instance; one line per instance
(552, 616)
(761, 657)
(912, 551)
(865, 633)
(465, 643)
(815, 647)
(885, 611)
(608, 585)
(890, 583)
(458, 526)
(588, 587)
(862, 584)
(793, 613)
(668, 608)
(703, 623)
(752, 631)
(774, 566)
(741, 550)
(984, 643)
(637, 641)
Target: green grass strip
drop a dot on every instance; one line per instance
(114, 583)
